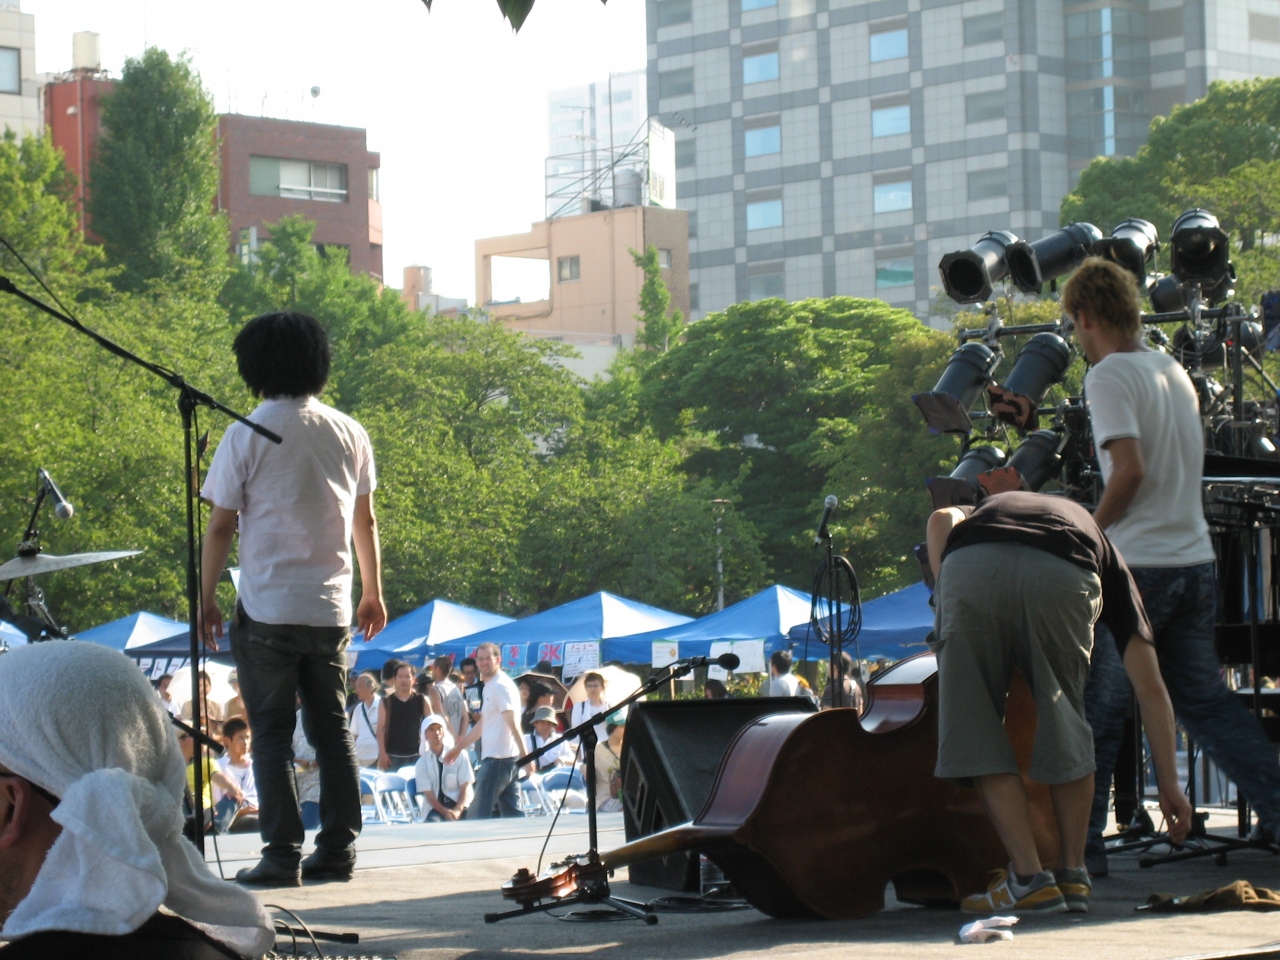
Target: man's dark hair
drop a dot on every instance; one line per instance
(283, 355)
(781, 661)
(715, 690)
(233, 726)
(391, 668)
(466, 662)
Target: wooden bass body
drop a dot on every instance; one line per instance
(815, 814)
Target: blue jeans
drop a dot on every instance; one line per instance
(496, 784)
(277, 663)
(1181, 604)
(1106, 700)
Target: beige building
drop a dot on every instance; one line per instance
(19, 86)
(595, 285)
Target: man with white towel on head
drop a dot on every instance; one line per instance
(91, 844)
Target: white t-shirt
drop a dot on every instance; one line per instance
(1147, 395)
(583, 711)
(554, 756)
(786, 685)
(242, 777)
(364, 730)
(496, 739)
(296, 502)
(427, 775)
(455, 708)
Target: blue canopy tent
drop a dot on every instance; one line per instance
(598, 617)
(410, 637)
(893, 627)
(137, 630)
(767, 615)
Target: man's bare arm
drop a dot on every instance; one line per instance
(1127, 471)
(218, 536)
(941, 523)
(371, 614)
(1143, 668)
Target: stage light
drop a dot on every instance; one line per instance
(1038, 460)
(1133, 245)
(1031, 264)
(946, 407)
(969, 276)
(1167, 295)
(1199, 252)
(1042, 363)
(961, 487)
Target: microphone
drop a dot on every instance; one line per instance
(62, 509)
(726, 661)
(830, 505)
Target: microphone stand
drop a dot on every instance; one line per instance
(593, 885)
(188, 399)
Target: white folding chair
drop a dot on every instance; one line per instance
(391, 797)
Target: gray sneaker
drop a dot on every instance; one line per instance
(1076, 887)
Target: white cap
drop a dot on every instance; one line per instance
(435, 718)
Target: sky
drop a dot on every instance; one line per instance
(455, 103)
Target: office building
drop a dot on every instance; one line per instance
(843, 146)
(586, 127)
(19, 93)
(417, 293)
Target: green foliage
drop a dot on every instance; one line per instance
(155, 177)
(792, 401)
(659, 327)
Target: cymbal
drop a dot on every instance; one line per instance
(47, 563)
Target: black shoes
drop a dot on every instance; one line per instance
(321, 867)
(267, 874)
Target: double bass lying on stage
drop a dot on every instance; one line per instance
(812, 815)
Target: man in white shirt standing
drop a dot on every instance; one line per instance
(782, 682)
(364, 720)
(1150, 441)
(501, 744)
(299, 506)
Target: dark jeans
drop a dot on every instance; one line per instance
(496, 784)
(1106, 701)
(1180, 602)
(275, 663)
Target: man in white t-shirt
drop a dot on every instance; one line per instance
(444, 786)
(298, 506)
(1149, 436)
(364, 720)
(451, 699)
(782, 682)
(501, 743)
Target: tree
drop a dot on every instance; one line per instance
(154, 181)
(659, 324)
(790, 402)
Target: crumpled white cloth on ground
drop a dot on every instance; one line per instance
(81, 721)
(984, 931)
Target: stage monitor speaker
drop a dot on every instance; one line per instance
(669, 761)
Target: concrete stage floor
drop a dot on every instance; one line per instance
(421, 890)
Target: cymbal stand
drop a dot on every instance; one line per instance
(594, 886)
(34, 605)
(189, 398)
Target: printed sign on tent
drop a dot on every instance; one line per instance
(580, 657)
(513, 657)
(665, 653)
(552, 653)
(160, 668)
(750, 654)
(145, 666)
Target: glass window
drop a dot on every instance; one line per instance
(373, 183)
(301, 180)
(984, 184)
(760, 141)
(675, 83)
(761, 286)
(686, 152)
(671, 12)
(888, 45)
(567, 268)
(10, 70)
(895, 272)
(988, 105)
(620, 96)
(693, 223)
(693, 297)
(891, 121)
(889, 197)
(264, 176)
(763, 214)
(983, 29)
(760, 67)
(757, 4)
(664, 259)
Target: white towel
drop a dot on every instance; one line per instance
(82, 722)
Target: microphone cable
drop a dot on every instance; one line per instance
(836, 591)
